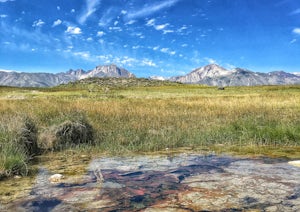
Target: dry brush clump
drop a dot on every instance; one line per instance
(70, 132)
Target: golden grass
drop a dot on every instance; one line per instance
(154, 118)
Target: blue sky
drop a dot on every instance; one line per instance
(149, 37)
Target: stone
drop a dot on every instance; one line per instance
(56, 178)
(295, 163)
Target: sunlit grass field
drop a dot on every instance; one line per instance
(258, 120)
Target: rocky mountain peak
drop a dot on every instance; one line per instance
(77, 72)
(213, 66)
(212, 70)
(109, 71)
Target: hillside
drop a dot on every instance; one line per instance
(113, 82)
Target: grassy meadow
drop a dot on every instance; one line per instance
(148, 117)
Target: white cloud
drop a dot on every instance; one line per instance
(91, 7)
(73, 11)
(210, 60)
(148, 10)
(2, 1)
(100, 33)
(182, 28)
(38, 23)
(84, 55)
(167, 51)
(229, 66)
(89, 39)
(56, 23)
(167, 31)
(106, 18)
(295, 12)
(73, 30)
(123, 12)
(130, 22)
(160, 27)
(296, 31)
(58, 7)
(148, 62)
(116, 23)
(3, 15)
(164, 50)
(136, 47)
(128, 61)
(119, 29)
(150, 22)
(155, 48)
(293, 41)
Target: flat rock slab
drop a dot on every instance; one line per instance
(184, 182)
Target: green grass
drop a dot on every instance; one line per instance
(145, 117)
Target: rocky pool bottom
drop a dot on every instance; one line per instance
(182, 182)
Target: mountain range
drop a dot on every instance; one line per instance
(212, 74)
(216, 75)
(23, 79)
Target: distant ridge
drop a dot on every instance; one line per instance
(22, 79)
(216, 75)
(213, 75)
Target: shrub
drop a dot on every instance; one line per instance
(27, 137)
(18, 144)
(69, 133)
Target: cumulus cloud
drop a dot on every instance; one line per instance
(56, 23)
(100, 33)
(296, 31)
(167, 51)
(3, 15)
(73, 30)
(91, 7)
(150, 9)
(38, 23)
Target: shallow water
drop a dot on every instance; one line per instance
(183, 182)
